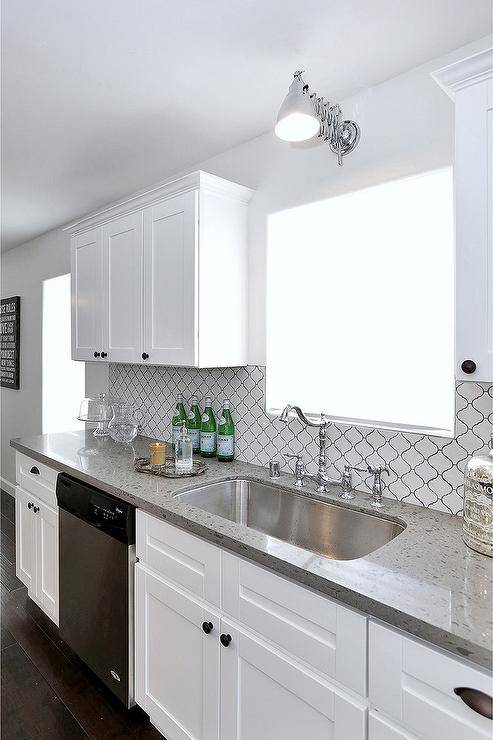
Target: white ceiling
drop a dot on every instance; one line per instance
(103, 97)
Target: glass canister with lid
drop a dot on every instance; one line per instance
(478, 503)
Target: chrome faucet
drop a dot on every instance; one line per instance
(377, 487)
(320, 478)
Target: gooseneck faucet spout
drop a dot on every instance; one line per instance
(320, 478)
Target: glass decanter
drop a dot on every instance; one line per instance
(124, 425)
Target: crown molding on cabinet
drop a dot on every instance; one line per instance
(464, 73)
(193, 181)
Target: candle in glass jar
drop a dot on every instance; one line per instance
(158, 453)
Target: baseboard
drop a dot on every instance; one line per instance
(7, 485)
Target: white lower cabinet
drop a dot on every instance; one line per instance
(176, 662)
(37, 550)
(414, 685)
(381, 728)
(208, 668)
(279, 661)
(266, 696)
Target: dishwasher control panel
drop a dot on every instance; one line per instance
(104, 511)
(111, 513)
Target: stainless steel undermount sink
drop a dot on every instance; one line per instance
(333, 531)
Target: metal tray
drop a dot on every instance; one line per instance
(168, 469)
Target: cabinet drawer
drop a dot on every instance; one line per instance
(414, 684)
(180, 557)
(36, 478)
(326, 636)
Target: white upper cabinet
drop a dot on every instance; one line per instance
(170, 300)
(468, 82)
(162, 278)
(87, 304)
(121, 314)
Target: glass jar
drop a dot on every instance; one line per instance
(478, 503)
(124, 425)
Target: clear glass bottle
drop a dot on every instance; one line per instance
(193, 423)
(478, 503)
(178, 418)
(225, 435)
(183, 450)
(208, 431)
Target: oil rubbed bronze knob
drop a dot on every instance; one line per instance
(225, 640)
(97, 354)
(468, 367)
(145, 356)
(104, 354)
(207, 627)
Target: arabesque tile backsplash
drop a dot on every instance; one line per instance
(424, 470)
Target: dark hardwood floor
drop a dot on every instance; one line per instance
(46, 691)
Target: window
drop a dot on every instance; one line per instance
(360, 306)
(63, 379)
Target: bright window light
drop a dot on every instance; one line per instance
(63, 379)
(360, 306)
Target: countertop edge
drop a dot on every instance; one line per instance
(440, 638)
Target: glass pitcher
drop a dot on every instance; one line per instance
(124, 425)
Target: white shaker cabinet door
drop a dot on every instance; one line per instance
(176, 662)
(25, 539)
(87, 298)
(46, 595)
(170, 281)
(266, 696)
(122, 289)
(474, 214)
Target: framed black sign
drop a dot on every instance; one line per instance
(10, 332)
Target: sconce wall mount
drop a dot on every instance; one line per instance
(304, 114)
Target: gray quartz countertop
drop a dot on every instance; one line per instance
(425, 581)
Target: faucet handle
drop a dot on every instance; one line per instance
(377, 488)
(378, 469)
(274, 469)
(347, 482)
(299, 468)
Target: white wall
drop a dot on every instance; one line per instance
(407, 126)
(23, 271)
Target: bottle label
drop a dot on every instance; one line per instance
(176, 431)
(208, 442)
(222, 420)
(205, 418)
(191, 415)
(225, 445)
(194, 435)
(184, 464)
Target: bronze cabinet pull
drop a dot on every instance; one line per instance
(477, 700)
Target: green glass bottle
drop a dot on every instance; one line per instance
(178, 418)
(208, 431)
(193, 423)
(225, 435)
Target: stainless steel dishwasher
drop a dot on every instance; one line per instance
(97, 557)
